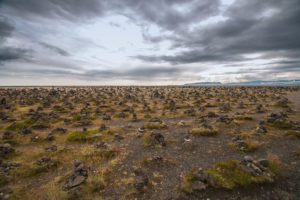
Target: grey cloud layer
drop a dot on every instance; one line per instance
(66, 9)
(8, 53)
(245, 31)
(55, 49)
(269, 27)
(144, 73)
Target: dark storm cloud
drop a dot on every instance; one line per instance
(66, 9)
(247, 29)
(193, 56)
(10, 54)
(55, 49)
(164, 12)
(5, 27)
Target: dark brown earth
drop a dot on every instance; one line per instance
(120, 172)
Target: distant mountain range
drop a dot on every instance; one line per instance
(279, 82)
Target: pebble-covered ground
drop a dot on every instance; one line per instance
(162, 143)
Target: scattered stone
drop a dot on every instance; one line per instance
(78, 177)
(44, 161)
(59, 131)
(5, 150)
(186, 139)
(225, 119)
(140, 131)
(211, 115)
(7, 166)
(51, 148)
(102, 127)
(7, 135)
(106, 117)
(35, 138)
(198, 181)
(261, 129)
(225, 108)
(102, 145)
(155, 119)
(5, 193)
(259, 108)
(263, 162)
(181, 123)
(67, 120)
(240, 143)
(248, 159)
(207, 179)
(118, 137)
(190, 111)
(50, 137)
(140, 181)
(156, 139)
(276, 116)
(25, 131)
(283, 101)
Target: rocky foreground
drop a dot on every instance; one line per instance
(190, 142)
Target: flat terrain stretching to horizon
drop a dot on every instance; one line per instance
(150, 142)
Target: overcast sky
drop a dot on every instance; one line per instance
(147, 42)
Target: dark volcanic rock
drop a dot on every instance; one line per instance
(225, 119)
(7, 135)
(8, 165)
(78, 177)
(5, 150)
(50, 137)
(51, 148)
(156, 139)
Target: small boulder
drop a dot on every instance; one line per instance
(50, 137)
(156, 139)
(51, 148)
(5, 150)
(263, 162)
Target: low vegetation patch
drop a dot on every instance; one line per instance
(30, 121)
(274, 165)
(188, 181)
(77, 136)
(247, 145)
(281, 124)
(27, 171)
(76, 118)
(243, 117)
(15, 126)
(281, 105)
(293, 133)
(155, 125)
(101, 154)
(19, 193)
(41, 125)
(12, 141)
(203, 131)
(230, 174)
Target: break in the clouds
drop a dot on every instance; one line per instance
(70, 42)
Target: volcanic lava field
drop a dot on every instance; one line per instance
(150, 142)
